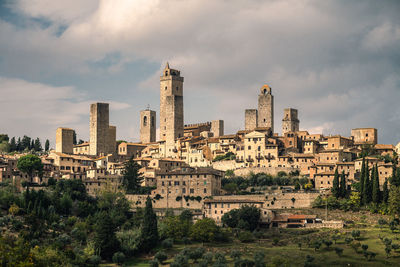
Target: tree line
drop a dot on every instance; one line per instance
(25, 143)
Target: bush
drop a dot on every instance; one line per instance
(236, 254)
(339, 251)
(196, 253)
(153, 263)
(207, 257)
(356, 234)
(245, 237)
(161, 256)
(180, 261)
(118, 258)
(259, 259)
(167, 243)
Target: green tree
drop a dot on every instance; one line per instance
(385, 192)
(204, 230)
(366, 197)
(30, 164)
(342, 186)
(47, 145)
(230, 188)
(335, 187)
(394, 200)
(37, 146)
(105, 239)
(362, 179)
(4, 146)
(376, 193)
(132, 179)
(246, 218)
(13, 145)
(149, 233)
(19, 144)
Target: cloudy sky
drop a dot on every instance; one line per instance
(337, 62)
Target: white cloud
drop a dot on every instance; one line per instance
(38, 109)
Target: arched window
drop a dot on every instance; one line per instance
(166, 73)
(145, 121)
(265, 91)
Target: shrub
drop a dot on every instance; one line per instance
(259, 259)
(208, 257)
(236, 254)
(167, 243)
(118, 258)
(196, 253)
(246, 237)
(161, 256)
(180, 261)
(153, 263)
(339, 251)
(356, 234)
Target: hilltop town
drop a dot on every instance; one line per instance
(185, 166)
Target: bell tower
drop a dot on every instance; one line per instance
(266, 108)
(171, 107)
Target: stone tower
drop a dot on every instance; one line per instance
(147, 126)
(99, 129)
(290, 121)
(250, 119)
(266, 108)
(217, 128)
(112, 139)
(171, 107)
(64, 140)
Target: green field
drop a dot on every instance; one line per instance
(281, 247)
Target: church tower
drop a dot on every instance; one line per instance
(171, 107)
(266, 108)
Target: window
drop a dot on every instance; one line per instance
(205, 190)
(191, 191)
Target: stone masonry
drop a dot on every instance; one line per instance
(250, 119)
(217, 128)
(290, 121)
(171, 107)
(147, 126)
(64, 140)
(99, 128)
(266, 108)
(112, 139)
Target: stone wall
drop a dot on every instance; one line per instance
(112, 139)
(64, 140)
(250, 119)
(99, 128)
(270, 170)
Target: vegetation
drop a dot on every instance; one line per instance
(26, 144)
(227, 156)
(132, 179)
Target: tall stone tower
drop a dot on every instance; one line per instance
(250, 119)
(64, 140)
(171, 107)
(266, 108)
(217, 128)
(112, 139)
(147, 126)
(290, 121)
(99, 129)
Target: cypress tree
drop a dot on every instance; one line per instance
(342, 186)
(47, 145)
(375, 186)
(366, 186)
(149, 233)
(19, 145)
(362, 179)
(335, 187)
(37, 146)
(13, 145)
(385, 194)
(105, 239)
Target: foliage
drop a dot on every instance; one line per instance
(204, 230)
(245, 237)
(132, 179)
(161, 256)
(394, 200)
(227, 156)
(247, 218)
(149, 234)
(30, 164)
(105, 240)
(335, 185)
(118, 258)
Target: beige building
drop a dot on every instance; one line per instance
(290, 121)
(82, 149)
(365, 136)
(64, 140)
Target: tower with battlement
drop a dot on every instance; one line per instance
(250, 119)
(147, 126)
(290, 121)
(266, 108)
(171, 107)
(217, 128)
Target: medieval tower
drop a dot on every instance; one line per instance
(266, 108)
(99, 129)
(147, 126)
(171, 107)
(290, 121)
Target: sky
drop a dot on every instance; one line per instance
(337, 62)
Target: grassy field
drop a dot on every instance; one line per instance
(281, 246)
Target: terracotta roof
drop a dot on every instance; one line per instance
(382, 146)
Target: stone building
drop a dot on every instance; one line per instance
(217, 128)
(365, 136)
(171, 107)
(64, 140)
(99, 128)
(290, 121)
(147, 126)
(186, 187)
(112, 139)
(266, 108)
(250, 119)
